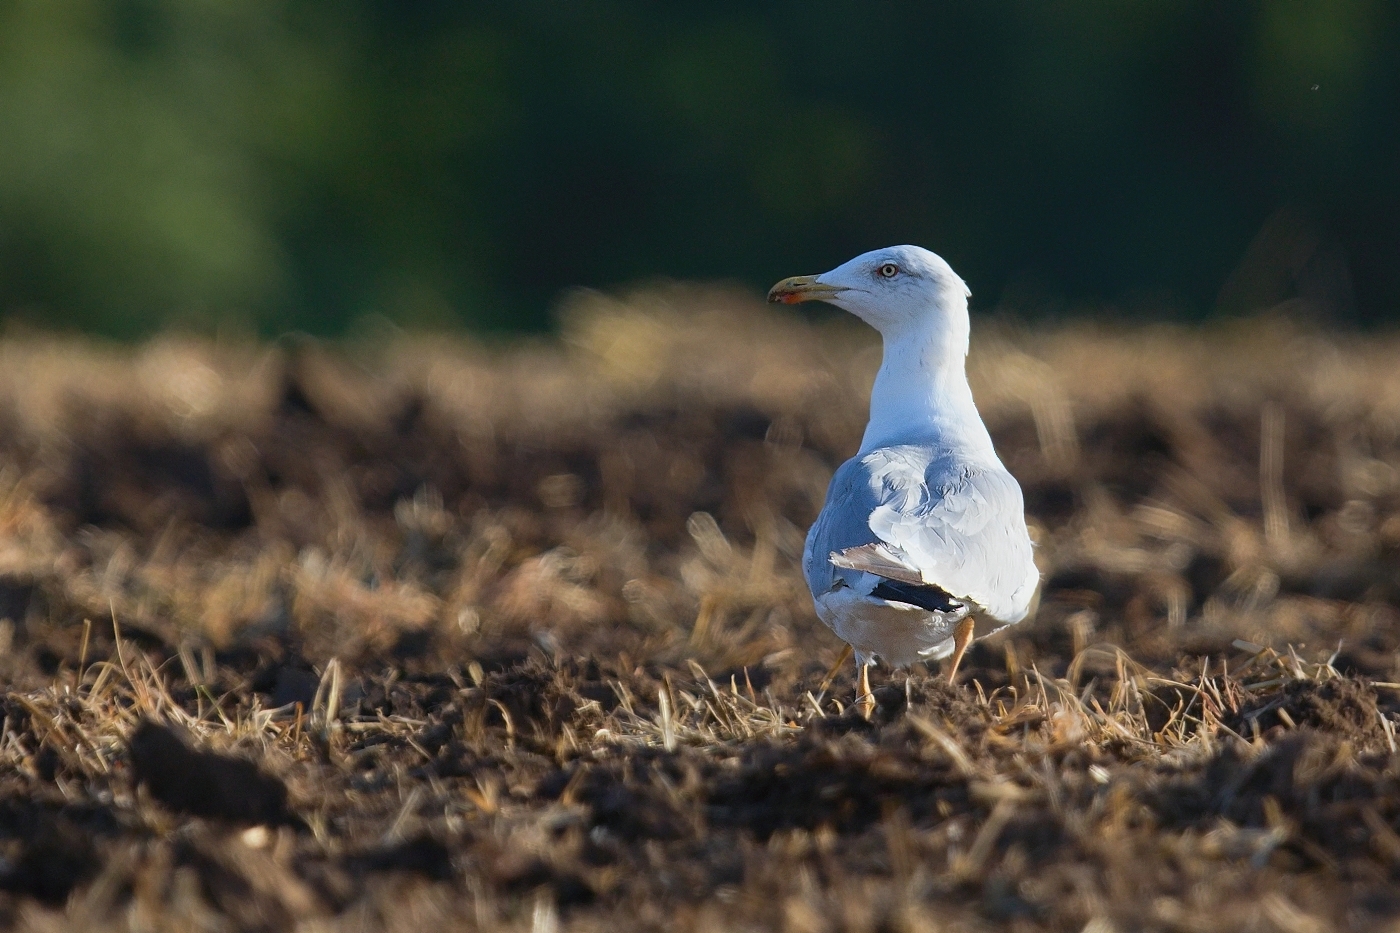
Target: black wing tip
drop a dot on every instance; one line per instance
(925, 596)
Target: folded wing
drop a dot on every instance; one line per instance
(913, 526)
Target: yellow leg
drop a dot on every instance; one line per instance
(835, 669)
(865, 699)
(962, 637)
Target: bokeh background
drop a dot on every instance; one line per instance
(305, 165)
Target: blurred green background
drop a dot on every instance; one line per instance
(306, 164)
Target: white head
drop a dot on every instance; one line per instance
(895, 290)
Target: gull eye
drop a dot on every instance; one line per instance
(888, 271)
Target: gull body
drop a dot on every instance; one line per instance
(924, 530)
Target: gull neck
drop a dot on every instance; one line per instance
(921, 393)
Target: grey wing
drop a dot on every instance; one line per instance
(958, 526)
(844, 523)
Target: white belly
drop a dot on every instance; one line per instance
(896, 633)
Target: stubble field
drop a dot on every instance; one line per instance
(413, 633)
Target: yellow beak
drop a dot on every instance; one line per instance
(802, 288)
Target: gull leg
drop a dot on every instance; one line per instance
(865, 699)
(962, 637)
(835, 669)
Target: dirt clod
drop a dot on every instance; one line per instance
(202, 783)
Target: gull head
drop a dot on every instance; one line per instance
(892, 289)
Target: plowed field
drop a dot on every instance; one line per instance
(415, 633)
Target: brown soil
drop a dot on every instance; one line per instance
(421, 635)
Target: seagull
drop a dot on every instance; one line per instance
(924, 530)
